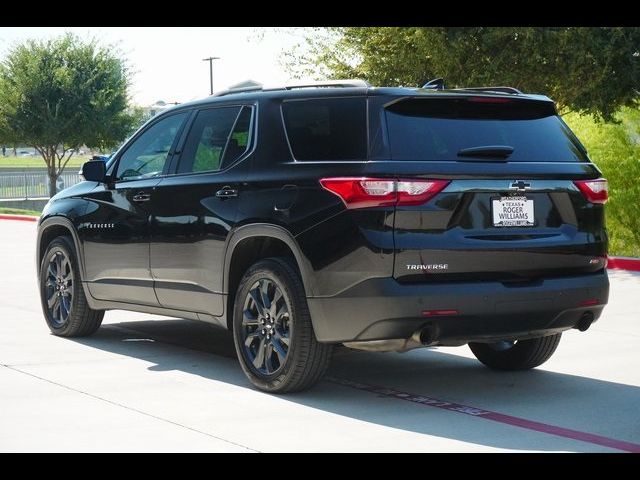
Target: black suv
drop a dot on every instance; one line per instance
(303, 217)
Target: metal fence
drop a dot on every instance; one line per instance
(25, 185)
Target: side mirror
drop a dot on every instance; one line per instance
(94, 171)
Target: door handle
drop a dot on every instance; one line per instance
(227, 192)
(142, 197)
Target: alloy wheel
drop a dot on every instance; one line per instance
(59, 287)
(266, 327)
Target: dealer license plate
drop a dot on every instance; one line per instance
(512, 212)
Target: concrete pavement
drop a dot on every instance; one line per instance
(146, 383)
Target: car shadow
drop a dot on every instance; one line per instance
(569, 401)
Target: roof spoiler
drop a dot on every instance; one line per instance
(438, 84)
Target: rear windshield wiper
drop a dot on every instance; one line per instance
(497, 152)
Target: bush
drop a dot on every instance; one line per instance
(615, 148)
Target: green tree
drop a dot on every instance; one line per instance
(592, 70)
(60, 94)
(615, 148)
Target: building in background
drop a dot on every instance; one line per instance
(156, 108)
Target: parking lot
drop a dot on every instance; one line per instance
(146, 383)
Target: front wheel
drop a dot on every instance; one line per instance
(272, 329)
(64, 304)
(518, 354)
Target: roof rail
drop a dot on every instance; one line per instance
(325, 84)
(435, 84)
(492, 89)
(248, 86)
(229, 91)
(258, 87)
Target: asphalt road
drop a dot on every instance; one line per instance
(145, 383)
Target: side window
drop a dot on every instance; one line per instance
(240, 137)
(217, 138)
(146, 156)
(327, 129)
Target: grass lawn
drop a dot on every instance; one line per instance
(31, 162)
(18, 211)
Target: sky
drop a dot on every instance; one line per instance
(167, 61)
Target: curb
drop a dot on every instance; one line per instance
(614, 263)
(24, 218)
(624, 263)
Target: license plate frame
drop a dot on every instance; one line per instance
(513, 211)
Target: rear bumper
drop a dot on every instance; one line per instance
(382, 308)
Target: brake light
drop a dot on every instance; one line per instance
(489, 100)
(596, 191)
(366, 192)
(439, 313)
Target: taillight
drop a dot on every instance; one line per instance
(379, 192)
(417, 192)
(596, 191)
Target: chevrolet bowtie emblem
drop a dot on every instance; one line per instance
(520, 185)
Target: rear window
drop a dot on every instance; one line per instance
(428, 129)
(327, 129)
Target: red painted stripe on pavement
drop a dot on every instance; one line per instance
(23, 218)
(624, 263)
(493, 416)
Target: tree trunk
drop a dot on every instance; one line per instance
(53, 178)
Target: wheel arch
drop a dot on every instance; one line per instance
(51, 228)
(251, 243)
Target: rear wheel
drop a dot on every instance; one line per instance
(272, 329)
(516, 355)
(63, 301)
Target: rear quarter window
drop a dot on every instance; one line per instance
(327, 129)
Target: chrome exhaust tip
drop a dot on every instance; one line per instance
(585, 321)
(425, 336)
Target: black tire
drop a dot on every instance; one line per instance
(521, 355)
(78, 320)
(305, 360)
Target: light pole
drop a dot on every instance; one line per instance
(210, 60)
